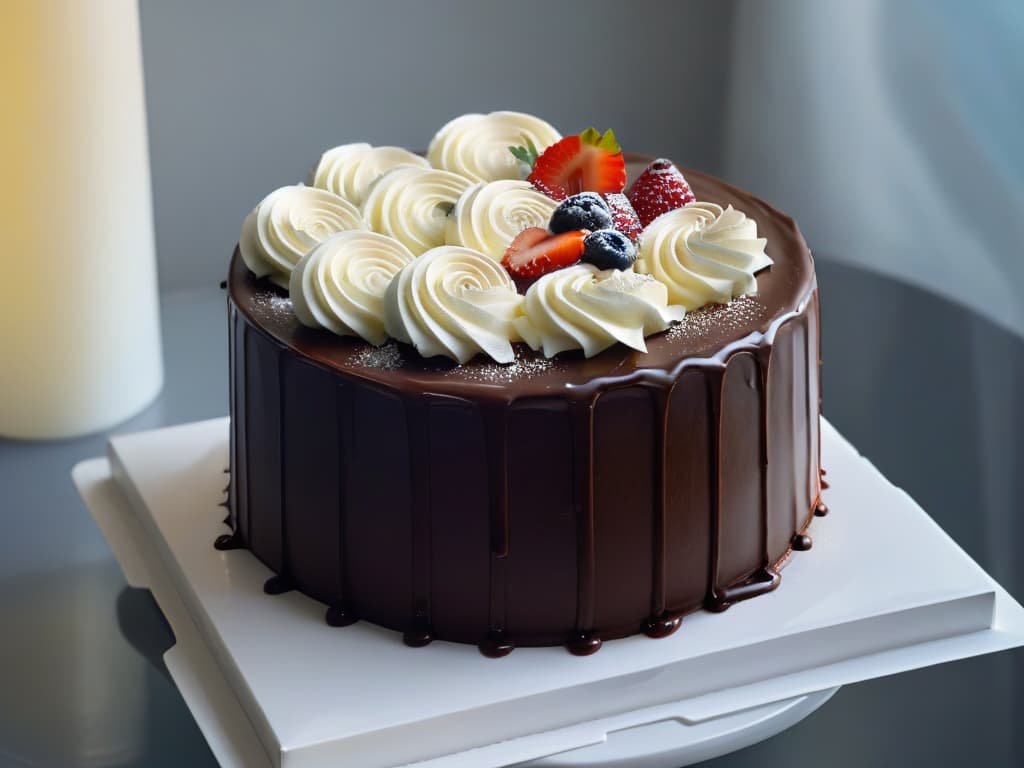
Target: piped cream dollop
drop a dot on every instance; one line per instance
(351, 169)
(455, 302)
(287, 224)
(703, 254)
(476, 146)
(340, 284)
(412, 204)
(489, 215)
(583, 307)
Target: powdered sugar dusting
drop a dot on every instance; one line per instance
(526, 365)
(272, 305)
(387, 357)
(738, 313)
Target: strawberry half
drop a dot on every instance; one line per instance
(623, 215)
(590, 162)
(659, 189)
(536, 252)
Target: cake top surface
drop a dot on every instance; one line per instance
(703, 336)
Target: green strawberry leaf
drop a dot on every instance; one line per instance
(590, 136)
(527, 155)
(607, 141)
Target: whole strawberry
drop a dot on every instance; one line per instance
(659, 189)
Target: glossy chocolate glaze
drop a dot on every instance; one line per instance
(547, 503)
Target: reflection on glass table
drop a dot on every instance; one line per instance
(925, 389)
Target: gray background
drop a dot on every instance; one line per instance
(244, 96)
(889, 130)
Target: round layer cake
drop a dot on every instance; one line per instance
(567, 500)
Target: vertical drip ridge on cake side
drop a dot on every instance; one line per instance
(417, 415)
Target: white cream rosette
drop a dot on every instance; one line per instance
(351, 169)
(476, 146)
(340, 284)
(489, 215)
(287, 224)
(703, 254)
(412, 204)
(583, 307)
(455, 302)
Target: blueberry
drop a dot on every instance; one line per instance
(587, 210)
(609, 249)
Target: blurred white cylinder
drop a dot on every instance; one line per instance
(79, 310)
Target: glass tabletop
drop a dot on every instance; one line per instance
(927, 390)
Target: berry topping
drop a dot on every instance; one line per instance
(586, 210)
(534, 252)
(659, 189)
(609, 249)
(590, 162)
(624, 217)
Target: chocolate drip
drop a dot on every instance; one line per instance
(241, 472)
(418, 416)
(278, 585)
(495, 424)
(340, 615)
(582, 415)
(233, 406)
(661, 397)
(584, 644)
(663, 626)
(814, 391)
(496, 645)
(419, 636)
(228, 541)
(714, 378)
(801, 542)
(763, 359)
(761, 582)
(283, 582)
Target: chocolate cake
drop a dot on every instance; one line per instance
(563, 500)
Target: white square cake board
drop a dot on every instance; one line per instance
(883, 590)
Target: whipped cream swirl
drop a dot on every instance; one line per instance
(455, 302)
(411, 205)
(351, 169)
(490, 214)
(287, 224)
(703, 254)
(583, 307)
(340, 284)
(476, 146)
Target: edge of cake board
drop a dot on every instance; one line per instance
(1006, 631)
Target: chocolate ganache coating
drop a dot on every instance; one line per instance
(564, 501)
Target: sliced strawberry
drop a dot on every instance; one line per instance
(623, 215)
(590, 162)
(659, 189)
(530, 257)
(528, 238)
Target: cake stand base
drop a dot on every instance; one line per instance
(270, 684)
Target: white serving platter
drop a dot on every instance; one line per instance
(883, 590)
